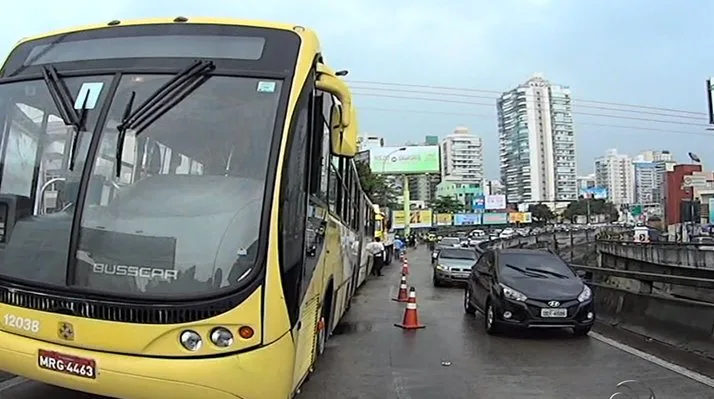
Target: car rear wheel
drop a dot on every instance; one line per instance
(489, 319)
(468, 307)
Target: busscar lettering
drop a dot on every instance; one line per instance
(135, 271)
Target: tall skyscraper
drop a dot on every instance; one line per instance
(462, 157)
(663, 162)
(537, 142)
(616, 173)
(646, 188)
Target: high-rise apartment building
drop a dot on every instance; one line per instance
(616, 173)
(663, 162)
(537, 142)
(646, 189)
(422, 187)
(462, 156)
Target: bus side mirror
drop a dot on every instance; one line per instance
(343, 140)
(343, 124)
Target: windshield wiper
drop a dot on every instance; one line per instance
(63, 101)
(544, 271)
(527, 272)
(161, 101)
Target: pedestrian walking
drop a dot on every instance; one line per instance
(376, 249)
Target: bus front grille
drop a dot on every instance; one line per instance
(114, 311)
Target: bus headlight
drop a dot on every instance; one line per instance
(191, 340)
(221, 337)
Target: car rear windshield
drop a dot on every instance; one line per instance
(457, 254)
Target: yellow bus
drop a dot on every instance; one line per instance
(180, 214)
(382, 226)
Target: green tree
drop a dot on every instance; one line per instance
(541, 213)
(597, 207)
(446, 204)
(376, 186)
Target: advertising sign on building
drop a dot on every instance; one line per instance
(495, 218)
(478, 203)
(593, 193)
(417, 219)
(519, 217)
(404, 160)
(464, 219)
(495, 202)
(444, 219)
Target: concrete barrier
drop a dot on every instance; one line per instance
(662, 253)
(684, 324)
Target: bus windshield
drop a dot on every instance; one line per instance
(181, 215)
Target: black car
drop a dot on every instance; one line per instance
(453, 265)
(528, 288)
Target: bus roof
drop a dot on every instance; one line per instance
(304, 33)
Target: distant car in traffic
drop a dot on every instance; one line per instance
(453, 265)
(528, 288)
(446, 242)
(449, 242)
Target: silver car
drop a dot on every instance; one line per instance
(453, 265)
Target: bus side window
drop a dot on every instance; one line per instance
(293, 219)
(320, 169)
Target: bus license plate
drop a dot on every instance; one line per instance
(560, 312)
(68, 364)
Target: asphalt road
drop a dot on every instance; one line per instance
(454, 358)
(367, 357)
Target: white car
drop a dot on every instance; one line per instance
(506, 234)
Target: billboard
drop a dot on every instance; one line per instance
(593, 193)
(478, 203)
(404, 160)
(495, 218)
(464, 219)
(444, 219)
(495, 202)
(417, 218)
(519, 217)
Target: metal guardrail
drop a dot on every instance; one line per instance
(697, 282)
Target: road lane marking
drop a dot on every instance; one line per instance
(12, 383)
(701, 378)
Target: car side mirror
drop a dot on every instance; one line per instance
(581, 273)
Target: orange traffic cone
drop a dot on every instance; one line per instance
(411, 317)
(403, 296)
(405, 268)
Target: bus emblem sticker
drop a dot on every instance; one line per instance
(66, 331)
(90, 92)
(266, 87)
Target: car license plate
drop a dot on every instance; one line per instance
(558, 312)
(68, 364)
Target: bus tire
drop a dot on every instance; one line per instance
(324, 322)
